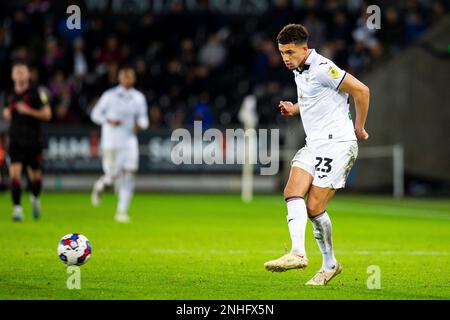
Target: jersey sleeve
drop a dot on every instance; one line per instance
(142, 115)
(38, 98)
(98, 114)
(330, 75)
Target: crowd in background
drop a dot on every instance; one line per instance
(196, 65)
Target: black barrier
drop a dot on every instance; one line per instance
(77, 150)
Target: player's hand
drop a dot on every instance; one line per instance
(287, 108)
(114, 123)
(361, 134)
(137, 128)
(6, 114)
(23, 108)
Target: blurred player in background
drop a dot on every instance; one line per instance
(323, 164)
(121, 111)
(26, 108)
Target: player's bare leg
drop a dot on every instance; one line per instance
(15, 175)
(126, 190)
(317, 202)
(296, 188)
(35, 177)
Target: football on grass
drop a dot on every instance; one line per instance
(74, 249)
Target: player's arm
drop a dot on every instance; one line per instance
(6, 114)
(287, 108)
(98, 114)
(44, 113)
(141, 122)
(361, 94)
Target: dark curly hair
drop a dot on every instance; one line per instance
(293, 33)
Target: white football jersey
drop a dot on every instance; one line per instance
(127, 106)
(324, 109)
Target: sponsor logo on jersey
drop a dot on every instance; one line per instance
(43, 96)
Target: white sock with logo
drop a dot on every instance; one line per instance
(322, 233)
(296, 219)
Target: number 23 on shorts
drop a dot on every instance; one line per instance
(323, 164)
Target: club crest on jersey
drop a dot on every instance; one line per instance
(333, 72)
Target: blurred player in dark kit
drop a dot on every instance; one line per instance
(27, 107)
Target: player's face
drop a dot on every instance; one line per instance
(20, 73)
(293, 54)
(127, 78)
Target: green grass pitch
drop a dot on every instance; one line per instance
(214, 247)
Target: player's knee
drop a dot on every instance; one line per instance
(288, 192)
(292, 191)
(35, 176)
(15, 182)
(314, 207)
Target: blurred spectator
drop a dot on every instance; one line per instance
(109, 79)
(362, 33)
(53, 57)
(316, 30)
(21, 29)
(202, 111)
(341, 29)
(177, 120)
(38, 7)
(438, 10)
(111, 53)
(213, 53)
(155, 117)
(4, 56)
(196, 64)
(20, 53)
(187, 52)
(35, 77)
(393, 29)
(80, 66)
(143, 76)
(414, 22)
(359, 58)
(61, 93)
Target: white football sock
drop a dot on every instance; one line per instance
(126, 190)
(296, 219)
(322, 233)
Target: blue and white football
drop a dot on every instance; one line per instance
(74, 249)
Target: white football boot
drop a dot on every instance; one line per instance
(322, 277)
(287, 262)
(122, 217)
(17, 214)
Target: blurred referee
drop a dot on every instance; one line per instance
(26, 108)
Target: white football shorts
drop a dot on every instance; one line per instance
(115, 160)
(329, 163)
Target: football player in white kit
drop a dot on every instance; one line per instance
(323, 164)
(121, 111)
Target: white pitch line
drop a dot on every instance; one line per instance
(401, 212)
(238, 252)
(250, 252)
